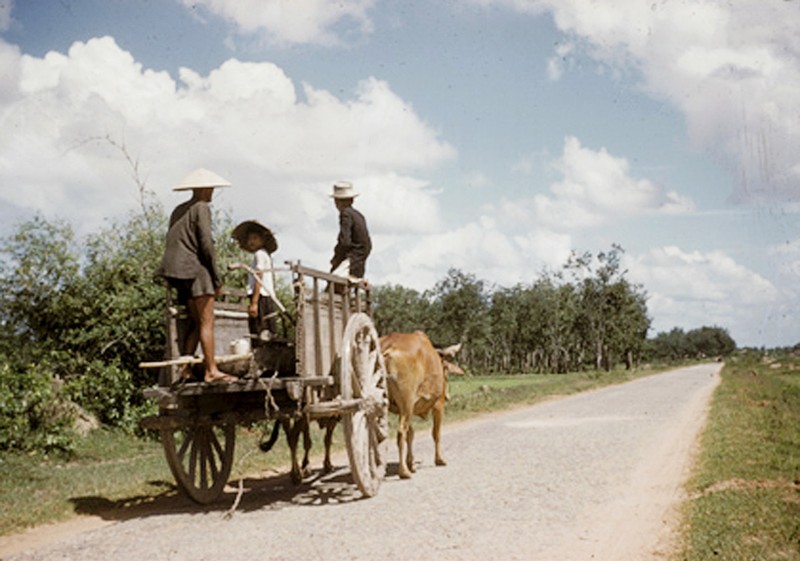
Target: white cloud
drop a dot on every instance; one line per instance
(787, 261)
(597, 187)
(733, 69)
(692, 289)
(556, 64)
(295, 22)
(245, 121)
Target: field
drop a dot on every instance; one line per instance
(746, 489)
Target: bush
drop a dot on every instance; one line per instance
(33, 412)
(106, 391)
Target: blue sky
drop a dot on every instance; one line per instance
(494, 136)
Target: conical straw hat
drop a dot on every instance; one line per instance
(242, 230)
(201, 178)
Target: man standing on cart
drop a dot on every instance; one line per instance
(189, 265)
(353, 245)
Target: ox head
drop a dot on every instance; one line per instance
(447, 366)
(449, 353)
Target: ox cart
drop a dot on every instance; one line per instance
(324, 362)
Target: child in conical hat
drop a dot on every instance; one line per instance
(259, 240)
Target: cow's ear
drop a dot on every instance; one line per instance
(450, 351)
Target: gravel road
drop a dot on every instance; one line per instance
(593, 476)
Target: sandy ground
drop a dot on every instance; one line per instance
(597, 476)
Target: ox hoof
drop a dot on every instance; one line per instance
(299, 476)
(440, 462)
(405, 475)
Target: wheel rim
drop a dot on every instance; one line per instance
(200, 458)
(363, 376)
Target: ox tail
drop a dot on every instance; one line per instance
(267, 445)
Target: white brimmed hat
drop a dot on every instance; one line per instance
(201, 178)
(343, 190)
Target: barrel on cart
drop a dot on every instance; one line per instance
(323, 360)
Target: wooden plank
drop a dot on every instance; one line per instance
(241, 385)
(180, 361)
(331, 326)
(317, 328)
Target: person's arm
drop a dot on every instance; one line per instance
(345, 240)
(252, 309)
(205, 243)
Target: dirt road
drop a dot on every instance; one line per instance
(594, 476)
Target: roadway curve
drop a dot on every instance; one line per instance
(592, 476)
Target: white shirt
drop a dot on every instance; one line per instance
(262, 263)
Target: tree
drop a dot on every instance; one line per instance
(399, 309)
(710, 342)
(459, 303)
(698, 343)
(612, 319)
(38, 278)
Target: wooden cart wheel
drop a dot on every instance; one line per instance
(200, 458)
(363, 377)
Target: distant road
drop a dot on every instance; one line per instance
(594, 476)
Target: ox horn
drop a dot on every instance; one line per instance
(450, 351)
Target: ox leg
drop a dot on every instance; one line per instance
(292, 429)
(438, 415)
(410, 451)
(306, 429)
(403, 427)
(329, 424)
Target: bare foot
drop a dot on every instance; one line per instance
(219, 378)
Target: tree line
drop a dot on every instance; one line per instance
(586, 316)
(78, 315)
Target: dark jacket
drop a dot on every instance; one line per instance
(353, 242)
(190, 246)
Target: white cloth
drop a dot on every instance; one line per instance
(343, 270)
(262, 263)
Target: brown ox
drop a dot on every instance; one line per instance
(417, 382)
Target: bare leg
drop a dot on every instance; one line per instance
(190, 342)
(202, 308)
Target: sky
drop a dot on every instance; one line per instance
(491, 136)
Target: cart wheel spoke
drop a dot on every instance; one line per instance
(363, 376)
(188, 440)
(200, 458)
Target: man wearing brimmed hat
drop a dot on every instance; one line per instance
(353, 244)
(189, 265)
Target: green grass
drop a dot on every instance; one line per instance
(113, 471)
(746, 486)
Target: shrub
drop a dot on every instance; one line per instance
(33, 412)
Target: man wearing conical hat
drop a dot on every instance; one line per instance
(353, 245)
(189, 265)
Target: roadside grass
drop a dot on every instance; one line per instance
(112, 470)
(745, 492)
